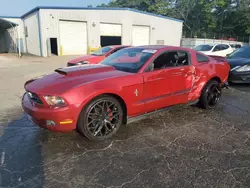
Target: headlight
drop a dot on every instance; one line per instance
(55, 101)
(243, 68)
(83, 62)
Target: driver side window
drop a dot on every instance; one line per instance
(217, 48)
(169, 59)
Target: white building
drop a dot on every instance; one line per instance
(74, 31)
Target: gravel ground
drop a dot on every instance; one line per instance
(185, 147)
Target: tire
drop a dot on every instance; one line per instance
(209, 98)
(100, 116)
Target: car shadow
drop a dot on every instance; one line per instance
(21, 155)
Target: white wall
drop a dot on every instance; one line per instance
(32, 41)
(161, 29)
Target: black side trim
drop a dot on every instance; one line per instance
(167, 95)
(146, 115)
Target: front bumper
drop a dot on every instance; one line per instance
(64, 119)
(239, 77)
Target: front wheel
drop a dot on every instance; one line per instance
(210, 95)
(101, 118)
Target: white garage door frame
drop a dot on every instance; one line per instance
(75, 21)
(149, 34)
(106, 25)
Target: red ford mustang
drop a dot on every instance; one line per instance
(97, 56)
(98, 99)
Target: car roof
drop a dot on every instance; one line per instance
(116, 46)
(161, 47)
(213, 44)
(152, 47)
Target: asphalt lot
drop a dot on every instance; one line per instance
(186, 147)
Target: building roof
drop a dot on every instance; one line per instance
(96, 8)
(5, 24)
(18, 17)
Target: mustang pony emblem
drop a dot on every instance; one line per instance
(136, 92)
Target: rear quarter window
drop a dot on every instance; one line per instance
(201, 58)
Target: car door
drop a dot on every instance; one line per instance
(221, 50)
(165, 81)
(228, 50)
(216, 50)
(183, 76)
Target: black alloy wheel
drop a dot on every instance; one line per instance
(211, 95)
(101, 118)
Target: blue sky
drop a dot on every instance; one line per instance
(19, 7)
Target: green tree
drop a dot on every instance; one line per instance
(201, 17)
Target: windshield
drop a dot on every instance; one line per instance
(205, 47)
(129, 59)
(101, 51)
(243, 52)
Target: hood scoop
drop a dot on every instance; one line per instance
(83, 70)
(61, 71)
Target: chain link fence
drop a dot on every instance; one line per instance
(192, 42)
(218, 36)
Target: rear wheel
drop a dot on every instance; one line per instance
(101, 118)
(210, 95)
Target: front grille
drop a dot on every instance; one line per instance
(34, 97)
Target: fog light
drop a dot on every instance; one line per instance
(50, 123)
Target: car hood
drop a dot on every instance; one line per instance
(238, 62)
(64, 79)
(89, 58)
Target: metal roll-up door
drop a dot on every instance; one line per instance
(140, 35)
(73, 38)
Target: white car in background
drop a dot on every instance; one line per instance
(215, 49)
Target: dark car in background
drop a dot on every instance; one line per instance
(239, 61)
